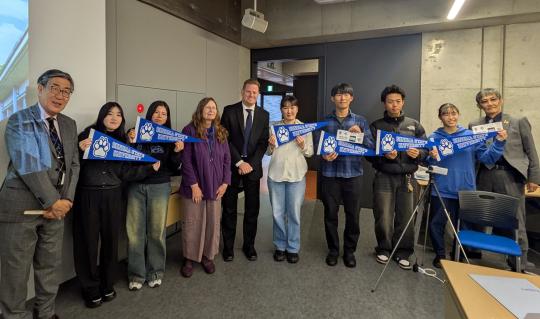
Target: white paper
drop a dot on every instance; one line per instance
(486, 128)
(350, 137)
(517, 295)
(34, 212)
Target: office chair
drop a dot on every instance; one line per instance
(489, 209)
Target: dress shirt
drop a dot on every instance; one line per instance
(45, 116)
(252, 108)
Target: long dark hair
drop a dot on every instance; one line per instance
(119, 133)
(152, 108)
(197, 119)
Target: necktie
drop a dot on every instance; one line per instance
(488, 143)
(55, 139)
(247, 132)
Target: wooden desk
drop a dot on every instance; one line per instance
(464, 298)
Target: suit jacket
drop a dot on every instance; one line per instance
(233, 120)
(519, 150)
(37, 191)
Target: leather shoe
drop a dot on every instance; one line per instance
(109, 295)
(292, 258)
(279, 255)
(331, 260)
(251, 253)
(93, 303)
(349, 260)
(208, 265)
(227, 256)
(187, 268)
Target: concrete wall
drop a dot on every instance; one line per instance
(456, 64)
(305, 21)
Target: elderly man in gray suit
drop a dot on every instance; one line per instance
(517, 168)
(36, 195)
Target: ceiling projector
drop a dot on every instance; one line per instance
(254, 20)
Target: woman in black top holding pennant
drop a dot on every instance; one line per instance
(99, 209)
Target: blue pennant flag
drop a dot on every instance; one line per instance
(389, 141)
(329, 144)
(104, 147)
(449, 146)
(150, 132)
(287, 132)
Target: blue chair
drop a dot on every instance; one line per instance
(489, 209)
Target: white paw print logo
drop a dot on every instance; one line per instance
(283, 135)
(329, 145)
(101, 147)
(446, 148)
(147, 131)
(388, 143)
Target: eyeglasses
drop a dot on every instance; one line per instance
(65, 93)
(492, 99)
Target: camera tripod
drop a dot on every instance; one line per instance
(424, 201)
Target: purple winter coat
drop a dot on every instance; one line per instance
(198, 167)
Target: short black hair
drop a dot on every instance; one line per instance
(54, 73)
(342, 88)
(390, 90)
(291, 99)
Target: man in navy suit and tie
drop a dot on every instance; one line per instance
(247, 125)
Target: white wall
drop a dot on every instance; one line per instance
(70, 35)
(155, 50)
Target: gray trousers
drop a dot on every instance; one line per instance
(392, 208)
(38, 243)
(510, 183)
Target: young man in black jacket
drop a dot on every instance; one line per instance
(393, 183)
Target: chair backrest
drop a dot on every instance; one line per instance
(488, 209)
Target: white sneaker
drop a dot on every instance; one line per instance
(404, 264)
(382, 259)
(133, 286)
(154, 283)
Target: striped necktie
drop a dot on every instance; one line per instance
(55, 139)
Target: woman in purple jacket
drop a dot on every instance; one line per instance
(205, 175)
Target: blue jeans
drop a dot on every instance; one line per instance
(145, 225)
(438, 221)
(286, 199)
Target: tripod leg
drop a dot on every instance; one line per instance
(451, 224)
(427, 207)
(399, 240)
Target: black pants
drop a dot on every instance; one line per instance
(98, 214)
(392, 209)
(230, 212)
(334, 192)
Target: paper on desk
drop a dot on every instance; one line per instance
(34, 212)
(517, 295)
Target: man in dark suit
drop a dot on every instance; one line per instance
(41, 178)
(517, 168)
(248, 139)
